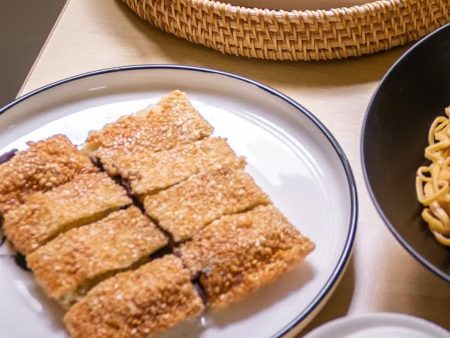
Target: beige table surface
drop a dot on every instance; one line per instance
(382, 276)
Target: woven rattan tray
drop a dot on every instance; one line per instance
(296, 35)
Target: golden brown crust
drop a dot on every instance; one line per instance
(44, 165)
(83, 200)
(235, 255)
(136, 304)
(188, 206)
(194, 186)
(171, 122)
(147, 173)
(74, 259)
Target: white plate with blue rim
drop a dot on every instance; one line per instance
(291, 155)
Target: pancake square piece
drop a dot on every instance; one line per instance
(187, 207)
(171, 122)
(147, 173)
(237, 254)
(44, 165)
(85, 199)
(68, 266)
(136, 304)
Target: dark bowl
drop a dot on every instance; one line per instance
(411, 95)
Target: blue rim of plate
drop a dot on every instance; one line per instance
(346, 253)
(386, 221)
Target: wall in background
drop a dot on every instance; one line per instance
(24, 27)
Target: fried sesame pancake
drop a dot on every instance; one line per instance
(69, 265)
(173, 121)
(237, 254)
(147, 173)
(185, 208)
(44, 165)
(85, 199)
(138, 303)
(152, 223)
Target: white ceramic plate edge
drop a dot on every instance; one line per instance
(297, 323)
(381, 320)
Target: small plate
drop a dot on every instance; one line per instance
(395, 132)
(293, 157)
(379, 325)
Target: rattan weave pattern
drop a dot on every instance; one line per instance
(296, 35)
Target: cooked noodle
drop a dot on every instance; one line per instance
(433, 181)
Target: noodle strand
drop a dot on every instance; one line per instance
(433, 181)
